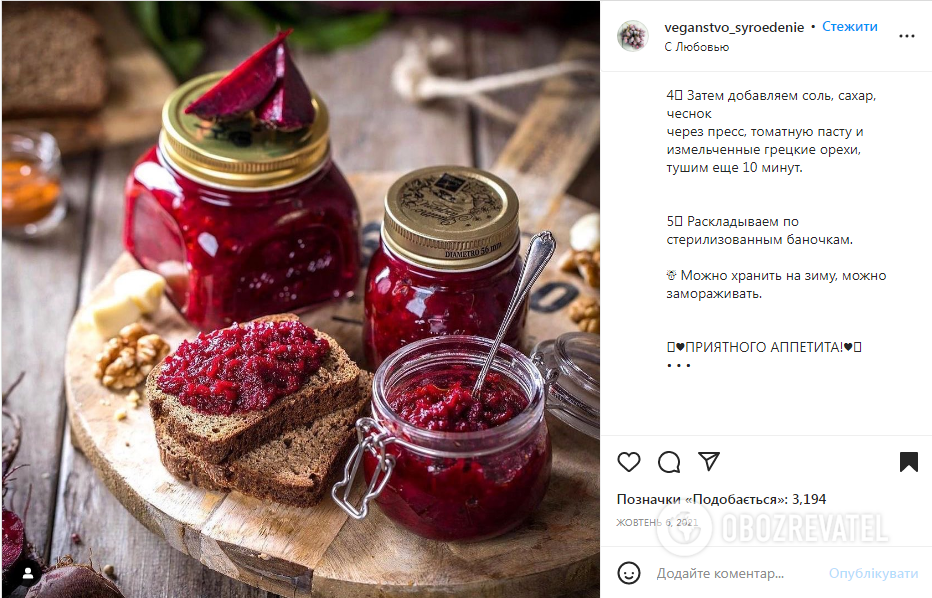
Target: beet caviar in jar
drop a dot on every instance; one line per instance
(241, 220)
(448, 261)
(441, 463)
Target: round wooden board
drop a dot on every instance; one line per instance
(318, 551)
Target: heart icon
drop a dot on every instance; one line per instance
(848, 346)
(629, 460)
(680, 346)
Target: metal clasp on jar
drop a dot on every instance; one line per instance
(371, 437)
(558, 398)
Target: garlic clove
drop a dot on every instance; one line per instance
(584, 235)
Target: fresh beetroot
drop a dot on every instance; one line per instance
(268, 84)
(244, 88)
(70, 580)
(14, 532)
(19, 555)
(14, 538)
(289, 106)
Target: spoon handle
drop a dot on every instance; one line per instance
(539, 253)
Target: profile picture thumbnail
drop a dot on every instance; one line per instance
(632, 35)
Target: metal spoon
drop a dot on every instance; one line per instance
(539, 253)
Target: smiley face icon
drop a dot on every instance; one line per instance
(629, 573)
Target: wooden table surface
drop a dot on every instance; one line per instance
(45, 281)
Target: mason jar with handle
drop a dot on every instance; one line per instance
(461, 486)
(241, 220)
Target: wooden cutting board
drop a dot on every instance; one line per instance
(283, 549)
(318, 551)
(139, 84)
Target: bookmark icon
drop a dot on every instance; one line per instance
(709, 458)
(909, 460)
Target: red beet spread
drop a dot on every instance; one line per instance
(243, 368)
(443, 401)
(267, 252)
(467, 497)
(405, 303)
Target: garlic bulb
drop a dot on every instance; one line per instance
(584, 235)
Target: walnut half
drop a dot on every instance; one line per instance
(585, 311)
(586, 263)
(127, 358)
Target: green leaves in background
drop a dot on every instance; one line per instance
(315, 27)
(173, 27)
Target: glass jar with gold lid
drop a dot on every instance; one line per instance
(241, 220)
(448, 261)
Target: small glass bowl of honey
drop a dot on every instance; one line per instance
(33, 203)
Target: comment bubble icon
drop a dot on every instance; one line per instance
(669, 462)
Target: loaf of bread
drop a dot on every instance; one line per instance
(53, 61)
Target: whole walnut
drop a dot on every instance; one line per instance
(126, 359)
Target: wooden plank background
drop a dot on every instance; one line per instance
(43, 282)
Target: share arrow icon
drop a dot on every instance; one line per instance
(709, 458)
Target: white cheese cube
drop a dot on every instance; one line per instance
(144, 287)
(110, 315)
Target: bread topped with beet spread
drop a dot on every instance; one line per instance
(230, 391)
(295, 468)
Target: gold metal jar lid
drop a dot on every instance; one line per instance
(239, 154)
(450, 217)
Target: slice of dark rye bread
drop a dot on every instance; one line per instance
(214, 438)
(296, 468)
(53, 60)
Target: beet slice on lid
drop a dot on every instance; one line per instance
(288, 107)
(246, 85)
